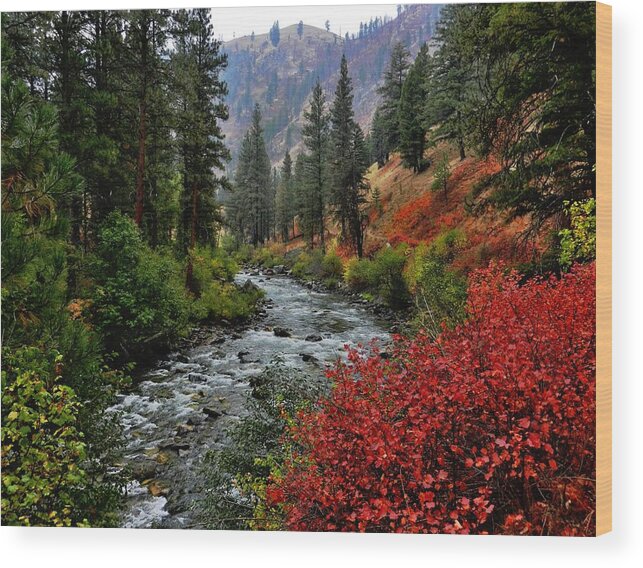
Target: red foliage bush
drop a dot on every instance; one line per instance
(489, 429)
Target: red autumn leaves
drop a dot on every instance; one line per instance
(491, 429)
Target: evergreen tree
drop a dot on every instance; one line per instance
(391, 93)
(145, 42)
(251, 204)
(412, 102)
(285, 200)
(299, 192)
(198, 63)
(349, 162)
(379, 138)
(274, 34)
(315, 134)
(450, 79)
(300, 29)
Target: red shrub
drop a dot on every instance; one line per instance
(491, 429)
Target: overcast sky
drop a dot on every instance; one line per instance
(237, 22)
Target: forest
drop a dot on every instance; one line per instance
(457, 230)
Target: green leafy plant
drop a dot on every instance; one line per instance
(42, 446)
(578, 243)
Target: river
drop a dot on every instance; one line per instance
(182, 407)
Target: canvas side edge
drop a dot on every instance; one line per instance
(603, 268)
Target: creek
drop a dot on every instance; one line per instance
(182, 407)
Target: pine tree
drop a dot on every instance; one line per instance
(412, 102)
(349, 162)
(391, 93)
(251, 204)
(274, 34)
(198, 63)
(300, 29)
(315, 134)
(284, 200)
(145, 44)
(379, 138)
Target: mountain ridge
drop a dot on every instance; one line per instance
(280, 77)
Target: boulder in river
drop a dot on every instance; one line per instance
(198, 378)
(308, 358)
(183, 429)
(158, 487)
(182, 358)
(143, 468)
(281, 332)
(249, 286)
(175, 446)
(212, 412)
(314, 337)
(279, 269)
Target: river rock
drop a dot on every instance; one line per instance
(211, 412)
(158, 487)
(269, 272)
(198, 378)
(308, 358)
(279, 269)
(143, 468)
(249, 286)
(313, 337)
(183, 429)
(182, 358)
(281, 332)
(175, 446)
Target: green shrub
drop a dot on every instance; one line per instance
(359, 274)
(578, 243)
(210, 264)
(42, 446)
(268, 257)
(223, 300)
(440, 293)
(447, 245)
(388, 273)
(139, 296)
(308, 265)
(332, 268)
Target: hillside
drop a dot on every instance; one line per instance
(281, 78)
(411, 212)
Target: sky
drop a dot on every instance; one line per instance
(237, 22)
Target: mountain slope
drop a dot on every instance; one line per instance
(281, 78)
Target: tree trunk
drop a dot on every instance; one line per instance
(140, 166)
(189, 276)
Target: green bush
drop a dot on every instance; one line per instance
(388, 275)
(440, 292)
(359, 274)
(382, 277)
(42, 446)
(139, 296)
(223, 300)
(332, 267)
(268, 257)
(210, 264)
(578, 243)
